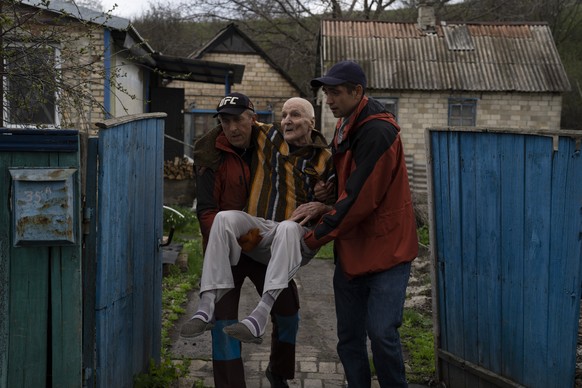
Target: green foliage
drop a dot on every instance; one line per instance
(163, 375)
(186, 227)
(423, 235)
(195, 256)
(418, 339)
(176, 287)
(326, 252)
(177, 284)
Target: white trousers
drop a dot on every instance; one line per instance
(280, 249)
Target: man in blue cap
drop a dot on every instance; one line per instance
(372, 224)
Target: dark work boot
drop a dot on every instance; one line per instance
(275, 380)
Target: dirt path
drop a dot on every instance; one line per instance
(317, 332)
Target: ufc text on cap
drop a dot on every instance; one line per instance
(234, 103)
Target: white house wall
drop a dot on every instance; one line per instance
(131, 78)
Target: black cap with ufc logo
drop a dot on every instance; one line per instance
(234, 104)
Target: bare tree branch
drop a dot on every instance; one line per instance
(52, 65)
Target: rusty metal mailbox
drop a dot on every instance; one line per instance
(43, 206)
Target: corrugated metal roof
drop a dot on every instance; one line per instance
(81, 13)
(457, 56)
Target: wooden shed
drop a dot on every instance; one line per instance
(505, 216)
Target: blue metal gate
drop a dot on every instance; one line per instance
(124, 257)
(505, 238)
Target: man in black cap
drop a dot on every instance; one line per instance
(223, 159)
(372, 224)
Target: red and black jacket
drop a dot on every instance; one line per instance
(372, 221)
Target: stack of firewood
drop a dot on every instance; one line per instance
(179, 169)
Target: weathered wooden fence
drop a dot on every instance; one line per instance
(124, 250)
(80, 257)
(40, 259)
(505, 238)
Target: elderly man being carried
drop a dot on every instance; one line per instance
(294, 167)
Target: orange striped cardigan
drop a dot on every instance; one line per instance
(283, 180)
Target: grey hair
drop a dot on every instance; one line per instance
(305, 104)
(250, 113)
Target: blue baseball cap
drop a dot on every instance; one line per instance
(340, 73)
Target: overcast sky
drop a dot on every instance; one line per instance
(131, 8)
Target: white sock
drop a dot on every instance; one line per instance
(257, 321)
(205, 310)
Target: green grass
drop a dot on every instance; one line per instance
(186, 228)
(176, 287)
(161, 376)
(326, 252)
(417, 337)
(177, 284)
(423, 236)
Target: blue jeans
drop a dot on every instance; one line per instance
(371, 306)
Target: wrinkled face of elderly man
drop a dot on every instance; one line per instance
(297, 121)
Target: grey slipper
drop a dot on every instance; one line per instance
(195, 327)
(242, 333)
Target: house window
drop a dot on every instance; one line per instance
(30, 86)
(462, 112)
(391, 105)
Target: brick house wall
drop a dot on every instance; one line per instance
(420, 110)
(266, 87)
(81, 56)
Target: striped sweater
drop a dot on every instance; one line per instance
(284, 179)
